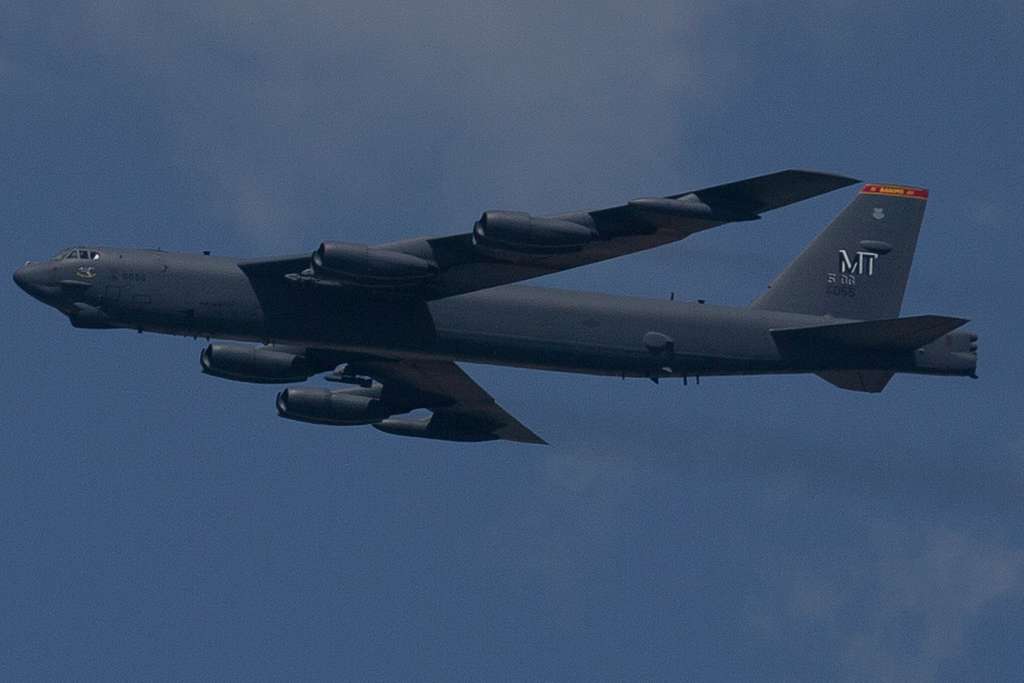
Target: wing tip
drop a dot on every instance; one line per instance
(898, 191)
(838, 179)
(524, 436)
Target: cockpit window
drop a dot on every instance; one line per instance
(80, 254)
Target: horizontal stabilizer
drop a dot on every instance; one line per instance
(894, 334)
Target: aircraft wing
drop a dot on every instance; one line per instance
(635, 226)
(439, 267)
(462, 409)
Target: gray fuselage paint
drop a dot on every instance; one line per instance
(530, 327)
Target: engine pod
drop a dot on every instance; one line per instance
(501, 233)
(259, 365)
(322, 406)
(89, 317)
(364, 266)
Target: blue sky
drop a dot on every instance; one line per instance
(156, 523)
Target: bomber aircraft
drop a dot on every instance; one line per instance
(392, 320)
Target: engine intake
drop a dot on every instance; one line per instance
(257, 364)
(323, 406)
(363, 266)
(504, 233)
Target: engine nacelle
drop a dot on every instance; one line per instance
(323, 406)
(363, 266)
(513, 233)
(89, 317)
(256, 364)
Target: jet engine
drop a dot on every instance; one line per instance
(323, 406)
(363, 266)
(88, 317)
(512, 233)
(258, 364)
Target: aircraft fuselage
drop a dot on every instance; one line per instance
(207, 296)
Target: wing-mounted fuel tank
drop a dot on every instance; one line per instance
(323, 406)
(514, 235)
(441, 427)
(257, 364)
(363, 266)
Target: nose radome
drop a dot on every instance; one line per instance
(21, 277)
(32, 277)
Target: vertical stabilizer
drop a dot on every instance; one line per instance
(857, 268)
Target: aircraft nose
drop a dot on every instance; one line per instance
(21, 277)
(32, 278)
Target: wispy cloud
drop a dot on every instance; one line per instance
(902, 611)
(580, 510)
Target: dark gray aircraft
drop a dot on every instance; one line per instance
(392, 320)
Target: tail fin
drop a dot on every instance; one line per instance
(857, 268)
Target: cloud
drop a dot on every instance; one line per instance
(579, 511)
(304, 118)
(930, 599)
(900, 612)
(986, 212)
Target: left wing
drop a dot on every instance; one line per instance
(506, 247)
(462, 409)
(466, 265)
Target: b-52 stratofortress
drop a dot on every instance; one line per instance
(392, 320)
